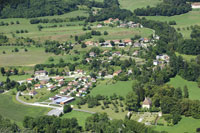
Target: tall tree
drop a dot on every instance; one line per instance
(186, 93)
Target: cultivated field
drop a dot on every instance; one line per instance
(183, 21)
(193, 89)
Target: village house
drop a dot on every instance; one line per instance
(90, 43)
(38, 86)
(195, 5)
(135, 53)
(78, 94)
(32, 93)
(93, 80)
(51, 88)
(99, 25)
(128, 41)
(29, 80)
(40, 75)
(163, 57)
(117, 73)
(59, 78)
(116, 53)
(60, 83)
(43, 82)
(146, 103)
(137, 44)
(122, 44)
(92, 54)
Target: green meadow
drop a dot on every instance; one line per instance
(15, 111)
(187, 57)
(80, 116)
(106, 88)
(186, 125)
(134, 4)
(30, 58)
(183, 21)
(193, 89)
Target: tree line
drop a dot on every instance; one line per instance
(166, 8)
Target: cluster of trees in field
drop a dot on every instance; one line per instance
(3, 38)
(95, 123)
(11, 71)
(2, 23)
(56, 47)
(111, 12)
(88, 35)
(52, 124)
(191, 46)
(167, 8)
(101, 123)
(56, 20)
(7, 125)
(93, 101)
(34, 8)
(8, 84)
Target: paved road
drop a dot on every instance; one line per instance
(84, 111)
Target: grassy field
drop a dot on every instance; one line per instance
(80, 116)
(134, 4)
(186, 57)
(186, 125)
(194, 91)
(15, 111)
(22, 58)
(122, 33)
(183, 21)
(110, 111)
(120, 88)
(58, 33)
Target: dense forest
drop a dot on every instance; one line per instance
(166, 8)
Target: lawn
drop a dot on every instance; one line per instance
(134, 4)
(15, 111)
(194, 91)
(183, 21)
(186, 125)
(106, 88)
(80, 116)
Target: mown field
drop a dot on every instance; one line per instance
(134, 4)
(183, 21)
(194, 90)
(80, 116)
(106, 88)
(15, 111)
(186, 125)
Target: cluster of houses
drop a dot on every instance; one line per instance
(161, 60)
(78, 87)
(142, 42)
(120, 23)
